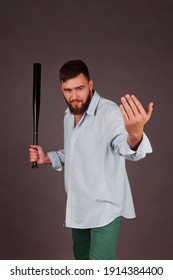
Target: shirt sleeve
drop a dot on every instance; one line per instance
(118, 139)
(57, 159)
(123, 148)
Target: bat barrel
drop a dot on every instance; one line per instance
(36, 103)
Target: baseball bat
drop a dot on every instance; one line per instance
(36, 103)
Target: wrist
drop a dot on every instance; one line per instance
(134, 141)
(47, 159)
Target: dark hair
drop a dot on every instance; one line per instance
(72, 69)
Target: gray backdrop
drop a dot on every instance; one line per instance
(128, 46)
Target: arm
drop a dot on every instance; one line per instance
(56, 159)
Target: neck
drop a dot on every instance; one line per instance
(77, 119)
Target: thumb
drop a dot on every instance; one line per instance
(34, 146)
(150, 110)
(37, 147)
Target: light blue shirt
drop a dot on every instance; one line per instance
(94, 156)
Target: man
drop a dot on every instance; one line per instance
(98, 137)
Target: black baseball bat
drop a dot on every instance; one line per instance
(36, 103)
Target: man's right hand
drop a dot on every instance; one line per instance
(36, 153)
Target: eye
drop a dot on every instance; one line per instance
(80, 89)
(67, 90)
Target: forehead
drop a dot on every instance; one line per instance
(75, 82)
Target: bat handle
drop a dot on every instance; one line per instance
(35, 142)
(34, 165)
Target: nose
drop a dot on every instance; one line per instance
(74, 94)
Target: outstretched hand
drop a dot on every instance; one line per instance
(135, 117)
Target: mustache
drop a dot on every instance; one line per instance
(75, 100)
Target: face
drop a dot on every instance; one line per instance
(77, 93)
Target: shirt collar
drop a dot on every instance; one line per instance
(92, 106)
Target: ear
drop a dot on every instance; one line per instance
(91, 85)
(60, 85)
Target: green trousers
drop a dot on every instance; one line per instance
(96, 243)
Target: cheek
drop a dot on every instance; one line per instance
(67, 97)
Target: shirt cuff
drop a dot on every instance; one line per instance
(143, 148)
(54, 158)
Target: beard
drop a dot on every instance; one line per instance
(77, 106)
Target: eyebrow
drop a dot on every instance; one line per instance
(82, 86)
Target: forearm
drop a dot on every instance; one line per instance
(57, 159)
(121, 147)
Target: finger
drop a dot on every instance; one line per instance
(138, 105)
(33, 160)
(34, 156)
(150, 110)
(35, 146)
(127, 108)
(132, 105)
(33, 151)
(125, 116)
